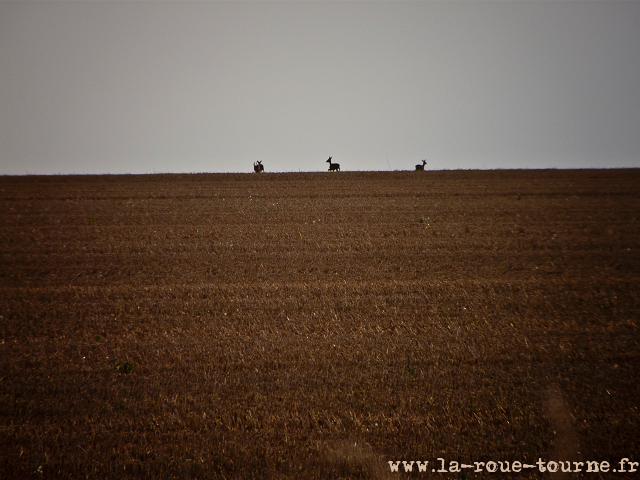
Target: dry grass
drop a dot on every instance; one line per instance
(317, 325)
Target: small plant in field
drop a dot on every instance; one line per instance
(421, 220)
(92, 219)
(125, 367)
(411, 368)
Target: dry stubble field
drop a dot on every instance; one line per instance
(318, 325)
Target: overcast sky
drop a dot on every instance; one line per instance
(149, 86)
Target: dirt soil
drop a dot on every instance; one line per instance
(320, 325)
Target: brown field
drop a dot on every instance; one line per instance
(318, 325)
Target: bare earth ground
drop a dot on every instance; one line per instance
(319, 325)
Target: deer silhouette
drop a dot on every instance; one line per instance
(333, 166)
(258, 167)
(421, 167)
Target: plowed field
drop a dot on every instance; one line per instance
(320, 325)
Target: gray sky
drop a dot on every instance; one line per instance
(178, 86)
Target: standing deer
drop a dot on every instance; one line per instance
(258, 167)
(421, 167)
(333, 166)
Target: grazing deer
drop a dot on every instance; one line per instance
(258, 167)
(333, 166)
(421, 167)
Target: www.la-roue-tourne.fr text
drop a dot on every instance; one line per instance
(623, 466)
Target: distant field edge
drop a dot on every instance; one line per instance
(321, 172)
